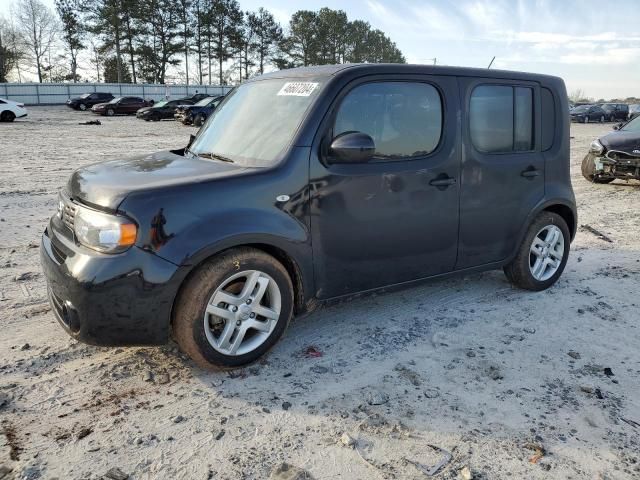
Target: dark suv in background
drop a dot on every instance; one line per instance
(308, 186)
(615, 111)
(88, 100)
(588, 113)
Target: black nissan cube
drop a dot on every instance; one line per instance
(310, 185)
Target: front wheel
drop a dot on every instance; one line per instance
(543, 254)
(7, 116)
(198, 120)
(233, 308)
(588, 169)
(111, 112)
(82, 107)
(601, 118)
(586, 119)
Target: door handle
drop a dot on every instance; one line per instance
(443, 182)
(530, 173)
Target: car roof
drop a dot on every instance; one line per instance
(390, 68)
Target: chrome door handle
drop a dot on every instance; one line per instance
(530, 173)
(443, 182)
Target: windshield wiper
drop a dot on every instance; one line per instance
(214, 156)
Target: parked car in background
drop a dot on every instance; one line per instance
(261, 216)
(196, 114)
(88, 100)
(634, 111)
(120, 105)
(615, 111)
(10, 110)
(588, 113)
(196, 97)
(615, 155)
(161, 110)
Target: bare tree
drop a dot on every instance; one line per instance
(577, 95)
(72, 31)
(10, 50)
(38, 27)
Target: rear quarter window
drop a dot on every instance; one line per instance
(548, 120)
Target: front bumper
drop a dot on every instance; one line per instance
(110, 300)
(615, 164)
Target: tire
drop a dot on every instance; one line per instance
(588, 169)
(199, 331)
(156, 118)
(82, 107)
(612, 119)
(601, 118)
(7, 116)
(110, 112)
(586, 119)
(198, 120)
(552, 254)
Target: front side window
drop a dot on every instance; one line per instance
(257, 121)
(501, 119)
(403, 118)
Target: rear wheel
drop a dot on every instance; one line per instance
(198, 120)
(7, 116)
(233, 309)
(543, 254)
(612, 118)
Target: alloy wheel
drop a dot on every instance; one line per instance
(242, 312)
(546, 253)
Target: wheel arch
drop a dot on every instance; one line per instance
(567, 215)
(286, 259)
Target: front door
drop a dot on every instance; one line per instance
(395, 218)
(502, 167)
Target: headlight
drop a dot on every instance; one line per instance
(104, 232)
(596, 147)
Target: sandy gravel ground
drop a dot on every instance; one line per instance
(512, 384)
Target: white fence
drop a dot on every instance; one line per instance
(58, 93)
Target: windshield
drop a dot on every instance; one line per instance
(204, 102)
(85, 95)
(115, 100)
(581, 109)
(256, 122)
(632, 126)
(161, 104)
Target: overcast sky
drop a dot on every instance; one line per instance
(593, 44)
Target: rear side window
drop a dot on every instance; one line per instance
(548, 114)
(501, 119)
(403, 118)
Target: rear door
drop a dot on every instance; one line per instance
(395, 218)
(502, 167)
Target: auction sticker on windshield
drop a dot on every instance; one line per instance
(298, 89)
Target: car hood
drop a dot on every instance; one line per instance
(622, 141)
(145, 109)
(106, 184)
(100, 105)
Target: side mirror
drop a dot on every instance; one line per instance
(618, 126)
(352, 147)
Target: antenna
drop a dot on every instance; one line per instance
(491, 63)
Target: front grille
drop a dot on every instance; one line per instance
(69, 214)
